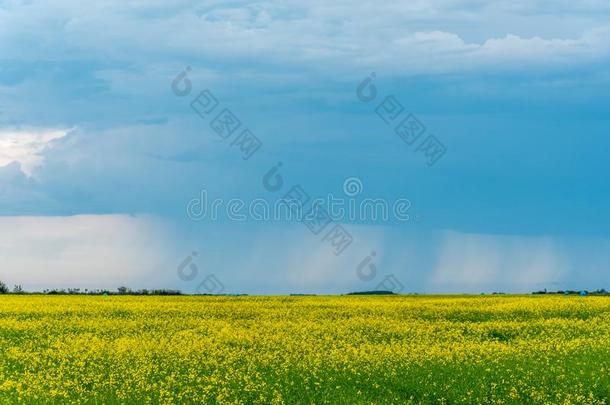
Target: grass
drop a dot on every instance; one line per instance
(349, 349)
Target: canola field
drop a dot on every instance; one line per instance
(345, 349)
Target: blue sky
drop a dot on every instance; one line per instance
(99, 158)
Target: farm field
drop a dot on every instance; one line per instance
(343, 349)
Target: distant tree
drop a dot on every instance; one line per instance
(124, 290)
(3, 288)
(166, 292)
(375, 292)
(17, 289)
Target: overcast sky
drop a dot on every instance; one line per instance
(100, 155)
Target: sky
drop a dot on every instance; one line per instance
(116, 118)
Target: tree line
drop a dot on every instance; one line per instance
(18, 289)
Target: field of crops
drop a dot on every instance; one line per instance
(350, 349)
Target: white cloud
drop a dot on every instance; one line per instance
(26, 146)
(88, 251)
(414, 37)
